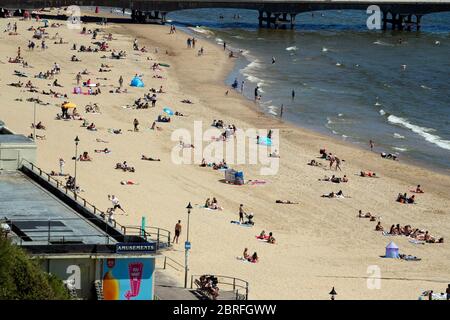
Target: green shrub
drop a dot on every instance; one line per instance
(21, 278)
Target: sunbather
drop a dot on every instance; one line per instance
(285, 202)
(149, 158)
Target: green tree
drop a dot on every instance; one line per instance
(21, 278)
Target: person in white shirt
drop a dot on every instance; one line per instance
(61, 166)
(115, 202)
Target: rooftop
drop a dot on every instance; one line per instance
(37, 217)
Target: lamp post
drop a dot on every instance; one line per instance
(333, 293)
(34, 121)
(187, 246)
(76, 156)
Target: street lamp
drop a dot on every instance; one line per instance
(333, 293)
(187, 246)
(76, 156)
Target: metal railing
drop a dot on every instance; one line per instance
(238, 285)
(169, 262)
(161, 236)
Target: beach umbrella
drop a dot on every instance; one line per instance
(168, 111)
(69, 105)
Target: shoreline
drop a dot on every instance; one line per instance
(320, 243)
(318, 130)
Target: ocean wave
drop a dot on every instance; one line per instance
(381, 43)
(423, 132)
(398, 136)
(400, 149)
(294, 48)
(382, 112)
(202, 30)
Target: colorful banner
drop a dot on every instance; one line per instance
(128, 279)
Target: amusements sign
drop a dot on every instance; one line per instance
(128, 279)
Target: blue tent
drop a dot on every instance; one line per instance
(137, 82)
(392, 251)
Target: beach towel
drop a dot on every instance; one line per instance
(256, 182)
(241, 224)
(387, 234)
(414, 241)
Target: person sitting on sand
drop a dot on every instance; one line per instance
(271, 239)
(379, 227)
(143, 157)
(254, 258)
(207, 203)
(388, 156)
(203, 164)
(285, 202)
(75, 59)
(84, 157)
(214, 205)
(56, 84)
(418, 189)
(91, 127)
(393, 231)
(245, 255)
(262, 235)
(39, 126)
(344, 178)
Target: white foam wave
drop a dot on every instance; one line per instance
(398, 136)
(382, 112)
(201, 30)
(381, 43)
(423, 132)
(400, 149)
(294, 48)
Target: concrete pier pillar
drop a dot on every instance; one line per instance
(418, 19)
(292, 16)
(269, 16)
(384, 27)
(260, 18)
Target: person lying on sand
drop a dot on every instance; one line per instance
(186, 145)
(143, 157)
(187, 101)
(389, 156)
(338, 194)
(37, 137)
(74, 59)
(274, 154)
(128, 182)
(369, 174)
(106, 150)
(286, 202)
(366, 215)
(100, 140)
(18, 84)
(91, 127)
(314, 163)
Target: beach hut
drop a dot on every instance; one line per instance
(137, 82)
(392, 251)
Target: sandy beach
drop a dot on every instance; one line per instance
(320, 242)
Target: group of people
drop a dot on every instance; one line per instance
(408, 231)
(403, 198)
(125, 167)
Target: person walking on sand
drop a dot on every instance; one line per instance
(371, 144)
(78, 78)
(338, 163)
(136, 125)
(115, 202)
(241, 213)
(120, 82)
(61, 166)
(177, 231)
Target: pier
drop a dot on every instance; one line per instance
(400, 15)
